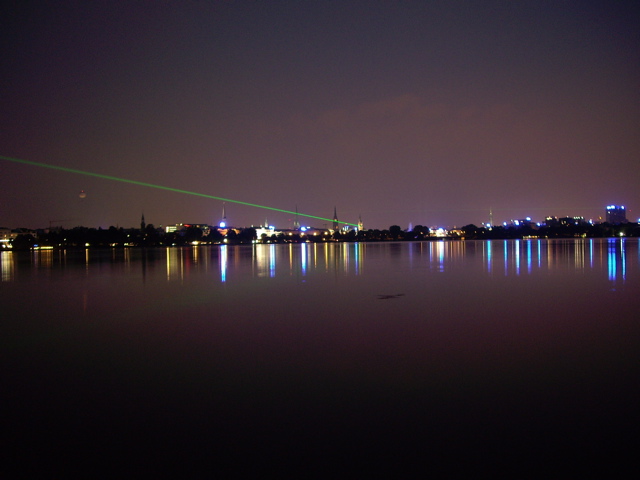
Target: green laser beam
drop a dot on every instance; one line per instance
(161, 187)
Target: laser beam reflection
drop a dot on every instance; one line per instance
(162, 187)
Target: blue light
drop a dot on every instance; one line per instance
(223, 263)
(272, 260)
(223, 225)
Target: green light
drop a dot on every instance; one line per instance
(161, 187)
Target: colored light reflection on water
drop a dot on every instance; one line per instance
(411, 351)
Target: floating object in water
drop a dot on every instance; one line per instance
(387, 297)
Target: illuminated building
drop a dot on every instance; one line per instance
(572, 221)
(6, 235)
(182, 227)
(616, 214)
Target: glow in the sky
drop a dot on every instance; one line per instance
(161, 187)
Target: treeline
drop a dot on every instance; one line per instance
(128, 237)
(151, 236)
(583, 229)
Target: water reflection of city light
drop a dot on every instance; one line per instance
(272, 260)
(519, 257)
(539, 254)
(6, 264)
(505, 246)
(579, 254)
(43, 258)
(623, 259)
(291, 257)
(303, 258)
(344, 257)
(223, 262)
(611, 259)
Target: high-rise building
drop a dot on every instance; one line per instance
(616, 214)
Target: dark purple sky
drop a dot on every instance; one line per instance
(421, 112)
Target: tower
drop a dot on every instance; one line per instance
(335, 219)
(296, 222)
(142, 224)
(360, 224)
(223, 222)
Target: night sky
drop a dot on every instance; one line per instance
(421, 112)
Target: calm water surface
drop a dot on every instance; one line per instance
(497, 356)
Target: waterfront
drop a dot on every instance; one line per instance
(447, 355)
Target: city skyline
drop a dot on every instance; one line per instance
(431, 113)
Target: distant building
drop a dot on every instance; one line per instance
(555, 221)
(182, 227)
(616, 214)
(6, 235)
(523, 222)
(572, 221)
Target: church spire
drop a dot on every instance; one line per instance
(296, 222)
(335, 219)
(142, 224)
(223, 222)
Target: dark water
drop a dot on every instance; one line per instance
(516, 358)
